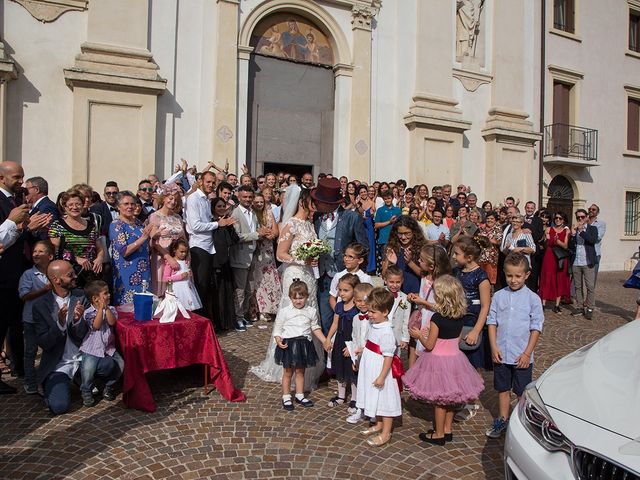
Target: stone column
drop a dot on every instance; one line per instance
(225, 140)
(509, 135)
(115, 84)
(435, 123)
(360, 131)
(7, 73)
(341, 119)
(244, 56)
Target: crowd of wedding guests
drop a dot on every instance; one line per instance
(225, 243)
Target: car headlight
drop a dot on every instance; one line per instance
(536, 418)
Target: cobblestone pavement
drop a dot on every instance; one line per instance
(191, 436)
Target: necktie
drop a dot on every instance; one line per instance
(363, 316)
(395, 294)
(12, 201)
(112, 209)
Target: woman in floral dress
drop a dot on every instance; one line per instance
(130, 245)
(266, 278)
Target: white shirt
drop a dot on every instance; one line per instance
(71, 356)
(333, 290)
(199, 222)
(9, 233)
(248, 214)
(36, 203)
(294, 322)
(331, 219)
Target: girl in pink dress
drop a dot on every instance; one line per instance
(443, 375)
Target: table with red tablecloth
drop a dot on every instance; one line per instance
(151, 346)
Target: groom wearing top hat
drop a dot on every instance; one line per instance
(338, 227)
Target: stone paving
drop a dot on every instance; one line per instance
(191, 436)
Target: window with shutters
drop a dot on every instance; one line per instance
(564, 15)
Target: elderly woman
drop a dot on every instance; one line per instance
(170, 228)
(130, 250)
(76, 238)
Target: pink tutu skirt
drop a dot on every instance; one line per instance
(443, 376)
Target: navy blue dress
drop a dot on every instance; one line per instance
(342, 366)
(481, 356)
(371, 237)
(411, 281)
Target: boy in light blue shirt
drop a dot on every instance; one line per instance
(33, 284)
(514, 325)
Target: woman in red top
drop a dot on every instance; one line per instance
(554, 275)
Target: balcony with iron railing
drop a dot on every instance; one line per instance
(570, 145)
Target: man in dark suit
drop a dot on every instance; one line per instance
(339, 227)
(37, 189)
(533, 223)
(60, 329)
(12, 263)
(107, 209)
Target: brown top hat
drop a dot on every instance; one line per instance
(328, 191)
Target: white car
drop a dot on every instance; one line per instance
(581, 418)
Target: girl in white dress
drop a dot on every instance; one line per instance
(294, 231)
(182, 277)
(292, 332)
(379, 370)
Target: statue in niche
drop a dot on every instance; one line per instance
(467, 27)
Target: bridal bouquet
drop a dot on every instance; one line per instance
(312, 250)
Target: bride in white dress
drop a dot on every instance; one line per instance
(294, 230)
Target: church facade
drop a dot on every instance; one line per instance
(510, 97)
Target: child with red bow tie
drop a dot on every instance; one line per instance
(359, 334)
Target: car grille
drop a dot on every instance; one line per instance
(589, 466)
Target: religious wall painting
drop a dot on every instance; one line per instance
(291, 37)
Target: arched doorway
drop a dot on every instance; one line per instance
(560, 195)
(290, 96)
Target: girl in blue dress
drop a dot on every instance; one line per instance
(477, 290)
(367, 208)
(342, 328)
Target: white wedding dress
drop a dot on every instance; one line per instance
(302, 231)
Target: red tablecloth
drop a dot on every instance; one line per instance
(150, 346)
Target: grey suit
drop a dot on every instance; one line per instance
(52, 340)
(241, 259)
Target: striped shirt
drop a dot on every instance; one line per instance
(99, 343)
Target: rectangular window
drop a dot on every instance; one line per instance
(634, 31)
(633, 124)
(632, 214)
(563, 15)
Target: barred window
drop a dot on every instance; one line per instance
(632, 214)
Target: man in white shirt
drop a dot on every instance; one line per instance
(601, 225)
(200, 227)
(437, 232)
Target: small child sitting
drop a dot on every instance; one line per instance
(99, 356)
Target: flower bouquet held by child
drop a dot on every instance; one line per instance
(312, 250)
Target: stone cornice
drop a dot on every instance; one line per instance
(117, 68)
(435, 113)
(8, 69)
(506, 125)
(50, 10)
(470, 79)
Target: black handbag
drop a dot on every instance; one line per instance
(561, 254)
